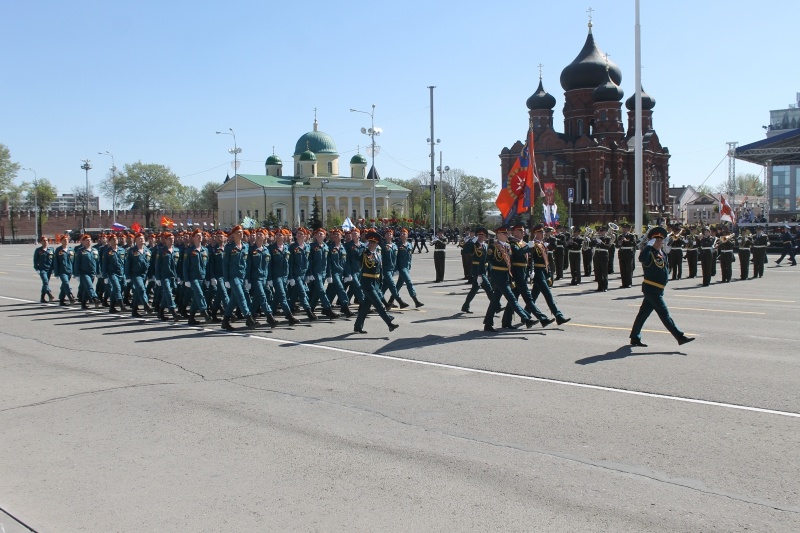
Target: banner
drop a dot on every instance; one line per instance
(550, 209)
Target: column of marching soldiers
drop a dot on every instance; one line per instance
(225, 277)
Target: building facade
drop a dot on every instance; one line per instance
(314, 174)
(784, 180)
(594, 154)
(70, 202)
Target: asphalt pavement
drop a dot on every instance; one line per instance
(108, 423)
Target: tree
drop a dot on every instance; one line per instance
(42, 194)
(112, 187)
(744, 185)
(149, 187)
(189, 197)
(705, 190)
(208, 195)
(15, 195)
(80, 200)
(478, 195)
(8, 171)
(315, 223)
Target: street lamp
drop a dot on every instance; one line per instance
(235, 151)
(113, 183)
(87, 165)
(372, 132)
(322, 207)
(35, 202)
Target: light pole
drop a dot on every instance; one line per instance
(235, 151)
(35, 202)
(87, 165)
(371, 132)
(322, 207)
(441, 171)
(113, 183)
(433, 142)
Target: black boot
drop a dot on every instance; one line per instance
(175, 316)
(310, 314)
(62, 303)
(71, 300)
(96, 302)
(112, 309)
(292, 320)
(122, 307)
(346, 311)
(271, 320)
(226, 324)
(192, 321)
(388, 304)
(147, 309)
(42, 300)
(393, 326)
(417, 303)
(251, 322)
(403, 305)
(330, 313)
(161, 316)
(135, 312)
(215, 317)
(205, 314)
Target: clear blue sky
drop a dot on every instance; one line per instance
(153, 81)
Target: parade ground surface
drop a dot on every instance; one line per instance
(108, 423)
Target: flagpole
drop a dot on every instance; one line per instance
(638, 156)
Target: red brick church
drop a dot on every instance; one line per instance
(594, 154)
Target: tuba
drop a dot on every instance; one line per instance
(612, 235)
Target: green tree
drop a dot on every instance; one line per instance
(111, 187)
(149, 187)
(189, 197)
(42, 194)
(315, 223)
(208, 195)
(479, 194)
(80, 201)
(15, 196)
(8, 171)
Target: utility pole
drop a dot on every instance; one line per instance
(732, 174)
(87, 165)
(433, 142)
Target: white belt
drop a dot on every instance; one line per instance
(759, 246)
(626, 248)
(726, 251)
(743, 248)
(575, 251)
(707, 248)
(600, 250)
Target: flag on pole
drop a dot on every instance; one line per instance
(517, 194)
(347, 225)
(166, 221)
(248, 223)
(725, 211)
(136, 227)
(116, 226)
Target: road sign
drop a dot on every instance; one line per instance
(571, 195)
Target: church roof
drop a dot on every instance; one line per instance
(317, 141)
(281, 182)
(541, 99)
(588, 69)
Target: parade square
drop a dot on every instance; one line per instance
(116, 424)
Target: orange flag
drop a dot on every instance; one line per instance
(166, 221)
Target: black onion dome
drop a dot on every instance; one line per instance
(648, 102)
(588, 70)
(541, 99)
(608, 92)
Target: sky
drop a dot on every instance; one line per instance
(153, 81)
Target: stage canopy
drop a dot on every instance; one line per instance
(783, 149)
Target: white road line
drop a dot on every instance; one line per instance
(481, 371)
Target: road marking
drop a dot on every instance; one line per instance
(478, 371)
(595, 326)
(733, 298)
(712, 310)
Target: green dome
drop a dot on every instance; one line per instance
(274, 160)
(316, 141)
(308, 155)
(358, 159)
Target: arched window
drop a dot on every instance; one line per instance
(607, 187)
(330, 167)
(580, 127)
(583, 186)
(313, 169)
(603, 116)
(624, 187)
(299, 173)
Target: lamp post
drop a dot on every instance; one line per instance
(322, 183)
(35, 202)
(371, 132)
(87, 165)
(113, 183)
(235, 151)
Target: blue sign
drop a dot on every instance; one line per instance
(571, 195)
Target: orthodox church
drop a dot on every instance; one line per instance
(594, 155)
(314, 174)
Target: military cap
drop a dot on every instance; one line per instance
(481, 231)
(657, 232)
(321, 230)
(373, 236)
(537, 227)
(502, 229)
(235, 229)
(518, 227)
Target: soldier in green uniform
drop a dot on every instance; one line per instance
(113, 269)
(745, 243)
(404, 253)
(43, 258)
(62, 269)
(298, 272)
(499, 264)
(478, 272)
(195, 274)
(726, 259)
(707, 243)
(319, 273)
(337, 265)
(760, 244)
(520, 253)
(627, 244)
(389, 261)
(439, 244)
(656, 272)
(85, 268)
(279, 273)
(371, 276)
(137, 263)
(540, 286)
(166, 275)
(234, 270)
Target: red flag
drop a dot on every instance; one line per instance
(166, 221)
(136, 227)
(516, 195)
(725, 211)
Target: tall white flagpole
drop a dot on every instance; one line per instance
(638, 156)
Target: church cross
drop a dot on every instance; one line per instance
(540, 71)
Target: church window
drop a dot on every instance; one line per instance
(625, 187)
(279, 214)
(603, 116)
(313, 169)
(302, 215)
(299, 173)
(330, 167)
(580, 127)
(536, 122)
(583, 187)
(607, 187)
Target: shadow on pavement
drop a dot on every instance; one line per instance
(619, 353)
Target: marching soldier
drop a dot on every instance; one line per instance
(499, 262)
(478, 272)
(166, 273)
(692, 244)
(85, 268)
(404, 250)
(725, 249)
(318, 273)
(745, 242)
(279, 273)
(389, 261)
(337, 265)
(101, 289)
(137, 263)
(371, 276)
(43, 258)
(298, 272)
(520, 252)
(62, 269)
(575, 246)
(656, 271)
(195, 274)
(627, 243)
(559, 252)
(353, 270)
(787, 246)
(588, 252)
(113, 270)
(550, 241)
(466, 246)
(234, 270)
(439, 244)
(707, 244)
(601, 251)
(760, 244)
(540, 285)
(258, 274)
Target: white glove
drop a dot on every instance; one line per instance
(227, 284)
(328, 280)
(291, 282)
(348, 279)
(207, 283)
(214, 283)
(247, 285)
(269, 284)
(547, 245)
(127, 281)
(651, 242)
(179, 280)
(151, 279)
(309, 278)
(158, 282)
(187, 284)
(531, 244)
(474, 239)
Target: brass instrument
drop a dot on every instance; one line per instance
(587, 234)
